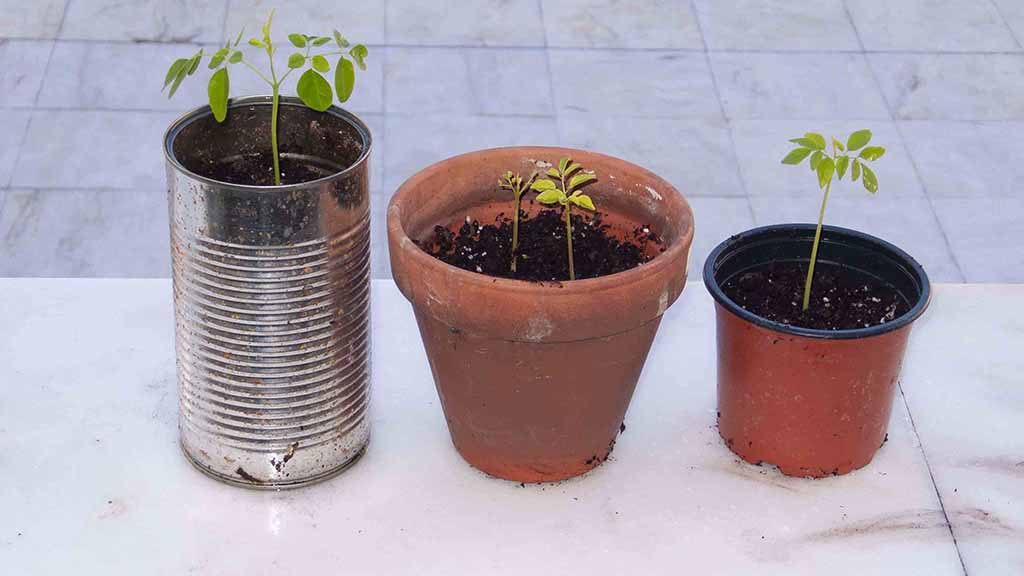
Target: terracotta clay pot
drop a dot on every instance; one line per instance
(535, 378)
(813, 402)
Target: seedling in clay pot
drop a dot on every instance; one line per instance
(313, 89)
(569, 193)
(514, 183)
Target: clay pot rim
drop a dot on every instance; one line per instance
(419, 257)
(918, 308)
(205, 111)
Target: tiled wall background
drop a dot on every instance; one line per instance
(705, 92)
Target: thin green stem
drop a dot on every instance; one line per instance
(257, 71)
(568, 236)
(814, 248)
(515, 231)
(273, 135)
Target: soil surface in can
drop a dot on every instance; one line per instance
(257, 169)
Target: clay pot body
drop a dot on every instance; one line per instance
(812, 402)
(535, 378)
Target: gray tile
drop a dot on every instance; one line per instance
(1013, 13)
(965, 159)
(465, 23)
(986, 236)
(145, 20)
(380, 262)
(761, 145)
(643, 84)
(468, 81)
(776, 25)
(415, 142)
(95, 75)
(930, 25)
(621, 24)
(361, 22)
(695, 155)
(715, 219)
(14, 123)
(952, 86)
(93, 149)
(96, 233)
(378, 148)
(22, 64)
(35, 19)
(906, 222)
(776, 86)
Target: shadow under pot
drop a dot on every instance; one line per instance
(814, 402)
(535, 377)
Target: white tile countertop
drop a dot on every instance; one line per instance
(92, 480)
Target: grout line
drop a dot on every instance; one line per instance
(931, 475)
(550, 75)
(1006, 23)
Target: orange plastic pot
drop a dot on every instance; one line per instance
(812, 402)
(535, 378)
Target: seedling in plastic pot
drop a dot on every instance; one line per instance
(514, 182)
(567, 192)
(828, 166)
(313, 89)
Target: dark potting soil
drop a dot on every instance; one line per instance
(487, 248)
(841, 298)
(257, 169)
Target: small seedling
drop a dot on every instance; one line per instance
(827, 166)
(514, 182)
(313, 89)
(567, 191)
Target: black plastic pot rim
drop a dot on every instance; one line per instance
(909, 317)
(203, 111)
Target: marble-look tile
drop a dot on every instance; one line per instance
(715, 219)
(427, 80)
(986, 237)
(952, 86)
(35, 19)
(762, 144)
(22, 63)
(144, 20)
(776, 25)
(775, 86)
(934, 25)
(380, 262)
(93, 149)
(415, 142)
(465, 23)
(641, 84)
(361, 22)
(967, 159)
(96, 74)
(695, 155)
(14, 124)
(908, 223)
(667, 24)
(962, 384)
(95, 233)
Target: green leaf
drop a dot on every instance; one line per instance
(563, 164)
(218, 58)
(818, 139)
(266, 28)
(872, 153)
(236, 57)
(175, 69)
(218, 94)
(194, 63)
(807, 143)
(838, 145)
(181, 74)
(855, 171)
(359, 53)
(826, 168)
(583, 201)
(550, 196)
(296, 60)
(344, 79)
(340, 40)
(297, 40)
(816, 158)
(314, 91)
(580, 179)
(554, 173)
(256, 42)
(572, 167)
(870, 180)
(543, 186)
(858, 139)
(238, 40)
(842, 163)
(321, 41)
(796, 156)
(320, 64)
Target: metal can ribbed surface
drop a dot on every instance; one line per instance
(271, 295)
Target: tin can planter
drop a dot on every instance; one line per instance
(535, 378)
(271, 294)
(813, 402)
